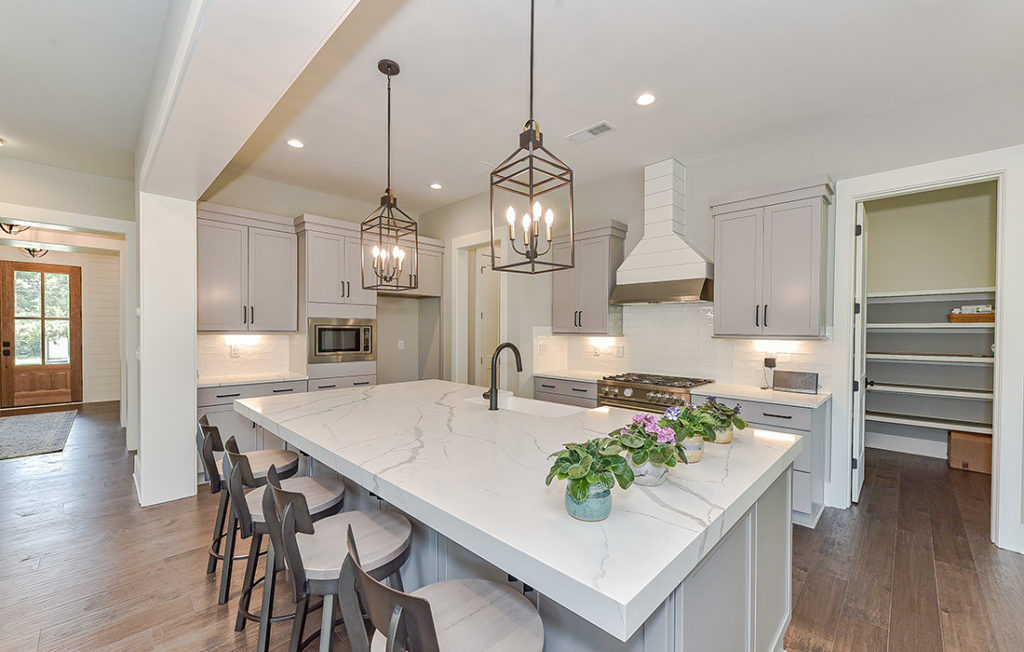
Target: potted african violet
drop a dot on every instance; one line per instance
(592, 469)
(726, 420)
(651, 448)
(691, 426)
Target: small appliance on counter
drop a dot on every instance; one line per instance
(802, 382)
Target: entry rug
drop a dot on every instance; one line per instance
(34, 434)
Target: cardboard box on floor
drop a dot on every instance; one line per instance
(970, 452)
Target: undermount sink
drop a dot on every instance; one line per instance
(530, 406)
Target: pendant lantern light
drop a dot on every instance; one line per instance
(531, 197)
(388, 235)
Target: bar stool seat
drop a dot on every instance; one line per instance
(383, 537)
(287, 462)
(322, 494)
(473, 614)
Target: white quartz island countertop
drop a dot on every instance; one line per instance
(477, 477)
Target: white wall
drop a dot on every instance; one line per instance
(398, 320)
(43, 186)
(101, 298)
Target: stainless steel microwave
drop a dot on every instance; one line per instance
(341, 340)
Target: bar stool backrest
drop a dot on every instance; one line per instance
(208, 442)
(240, 478)
(404, 619)
(286, 513)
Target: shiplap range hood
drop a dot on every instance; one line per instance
(663, 267)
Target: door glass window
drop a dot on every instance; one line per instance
(42, 324)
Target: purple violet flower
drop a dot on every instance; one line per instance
(673, 412)
(666, 436)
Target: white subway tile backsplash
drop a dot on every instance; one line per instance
(677, 339)
(257, 354)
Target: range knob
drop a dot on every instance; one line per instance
(627, 392)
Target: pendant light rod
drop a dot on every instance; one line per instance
(389, 68)
(532, 2)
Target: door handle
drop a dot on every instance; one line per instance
(581, 319)
(348, 285)
(365, 382)
(286, 389)
(252, 315)
(757, 315)
(577, 389)
(326, 386)
(777, 416)
(229, 395)
(766, 315)
(245, 320)
(547, 386)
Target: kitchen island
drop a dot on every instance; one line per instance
(701, 562)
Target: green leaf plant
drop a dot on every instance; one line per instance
(595, 462)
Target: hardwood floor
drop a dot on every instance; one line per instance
(909, 568)
(83, 567)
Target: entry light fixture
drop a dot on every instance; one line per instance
(646, 99)
(389, 234)
(296, 143)
(518, 184)
(13, 229)
(35, 253)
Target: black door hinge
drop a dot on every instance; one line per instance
(858, 230)
(855, 463)
(856, 386)
(856, 307)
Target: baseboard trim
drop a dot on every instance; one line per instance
(911, 445)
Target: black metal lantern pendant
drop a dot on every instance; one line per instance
(389, 236)
(531, 195)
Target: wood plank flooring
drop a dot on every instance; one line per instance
(910, 568)
(83, 567)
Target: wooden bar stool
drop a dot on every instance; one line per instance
(465, 615)
(324, 496)
(314, 555)
(209, 442)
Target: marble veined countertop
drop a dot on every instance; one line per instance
(794, 399)
(225, 380)
(477, 477)
(582, 376)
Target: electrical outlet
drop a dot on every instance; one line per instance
(597, 352)
(401, 345)
(619, 351)
(233, 351)
(769, 363)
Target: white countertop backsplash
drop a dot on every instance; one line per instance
(262, 357)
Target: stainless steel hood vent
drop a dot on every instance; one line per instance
(693, 289)
(664, 266)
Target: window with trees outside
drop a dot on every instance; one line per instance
(42, 318)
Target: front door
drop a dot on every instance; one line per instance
(40, 333)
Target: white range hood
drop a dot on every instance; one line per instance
(664, 267)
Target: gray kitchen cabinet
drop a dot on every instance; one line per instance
(245, 273)
(770, 256)
(354, 292)
(324, 384)
(570, 392)
(431, 273)
(579, 296)
(333, 270)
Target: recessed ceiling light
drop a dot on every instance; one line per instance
(435, 186)
(646, 99)
(296, 143)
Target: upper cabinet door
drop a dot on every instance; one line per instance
(594, 264)
(273, 267)
(793, 269)
(325, 259)
(738, 252)
(353, 275)
(430, 273)
(223, 295)
(565, 300)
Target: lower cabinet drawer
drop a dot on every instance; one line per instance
(767, 415)
(566, 400)
(801, 492)
(324, 384)
(574, 388)
(226, 395)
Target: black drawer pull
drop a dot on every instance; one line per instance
(778, 416)
(326, 386)
(289, 389)
(365, 382)
(229, 395)
(577, 389)
(547, 386)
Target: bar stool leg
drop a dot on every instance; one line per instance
(248, 579)
(229, 555)
(218, 531)
(266, 610)
(299, 624)
(327, 624)
(396, 581)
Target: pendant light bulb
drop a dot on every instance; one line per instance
(376, 251)
(549, 217)
(537, 210)
(526, 221)
(510, 215)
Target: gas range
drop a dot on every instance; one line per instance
(650, 392)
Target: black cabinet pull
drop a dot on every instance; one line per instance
(245, 319)
(286, 389)
(547, 386)
(581, 319)
(326, 386)
(348, 288)
(777, 416)
(229, 395)
(757, 315)
(766, 315)
(252, 315)
(577, 389)
(365, 382)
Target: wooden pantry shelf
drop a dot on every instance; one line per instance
(930, 327)
(943, 294)
(929, 422)
(932, 358)
(923, 390)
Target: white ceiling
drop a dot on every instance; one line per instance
(724, 73)
(74, 80)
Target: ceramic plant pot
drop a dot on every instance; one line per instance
(724, 436)
(595, 507)
(648, 474)
(694, 447)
